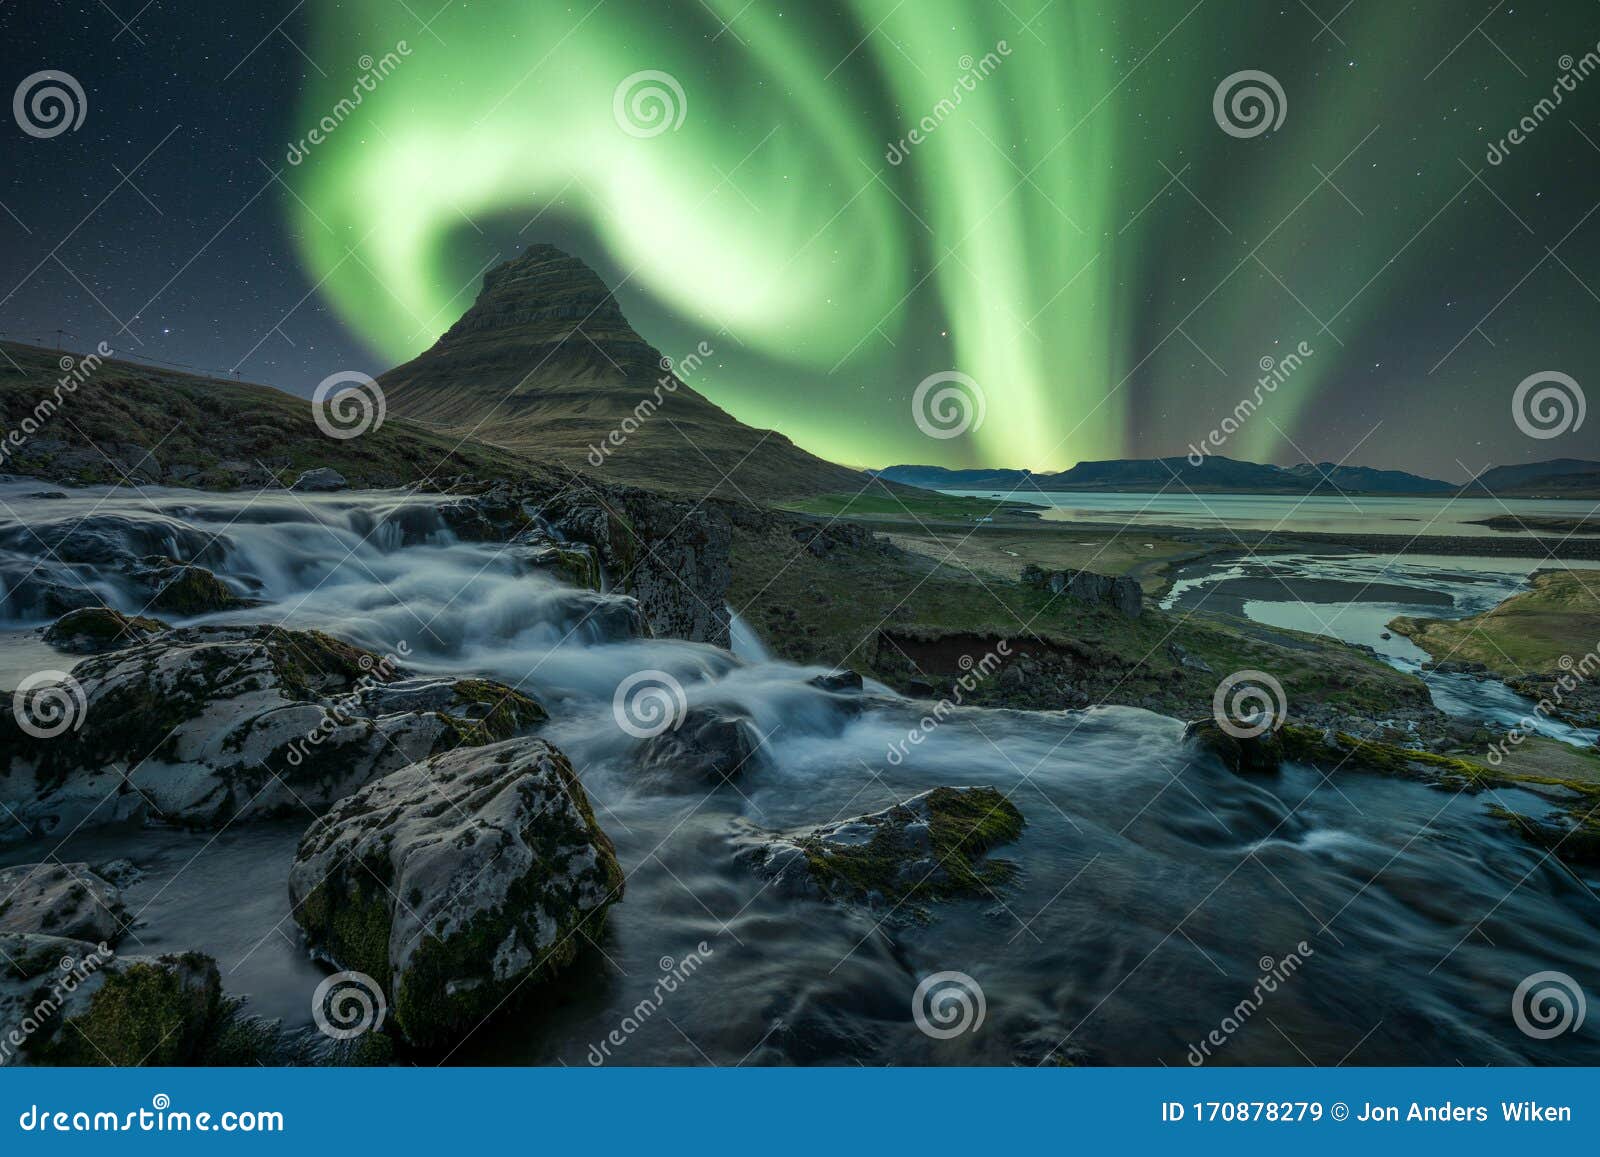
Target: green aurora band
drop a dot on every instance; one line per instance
(1073, 230)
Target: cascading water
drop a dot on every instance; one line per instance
(1153, 883)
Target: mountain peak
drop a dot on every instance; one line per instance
(545, 363)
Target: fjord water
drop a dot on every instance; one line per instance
(1323, 513)
(1155, 886)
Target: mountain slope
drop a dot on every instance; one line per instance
(544, 363)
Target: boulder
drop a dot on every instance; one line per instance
(457, 883)
(60, 900)
(181, 589)
(837, 681)
(68, 1002)
(206, 725)
(710, 741)
(95, 629)
(930, 847)
(323, 480)
(1256, 753)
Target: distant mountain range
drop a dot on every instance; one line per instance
(1561, 477)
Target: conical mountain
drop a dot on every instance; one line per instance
(545, 364)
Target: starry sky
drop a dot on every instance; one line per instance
(1098, 225)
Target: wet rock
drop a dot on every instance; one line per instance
(711, 741)
(837, 681)
(930, 847)
(69, 1002)
(323, 480)
(191, 590)
(205, 725)
(60, 900)
(1256, 753)
(95, 629)
(454, 881)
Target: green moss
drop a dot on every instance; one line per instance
(508, 712)
(145, 1014)
(102, 627)
(962, 826)
(193, 590)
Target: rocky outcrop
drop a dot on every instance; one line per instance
(60, 900)
(670, 556)
(204, 725)
(458, 883)
(1121, 594)
(323, 480)
(1248, 753)
(930, 847)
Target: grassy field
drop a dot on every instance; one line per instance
(829, 610)
(904, 504)
(1528, 633)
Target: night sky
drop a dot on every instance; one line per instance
(1079, 235)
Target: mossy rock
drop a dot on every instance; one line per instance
(458, 883)
(928, 848)
(94, 629)
(150, 1012)
(193, 590)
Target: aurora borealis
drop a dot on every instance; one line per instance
(855, 196)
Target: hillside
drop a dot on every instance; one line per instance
(544, 363)
(132, 422)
